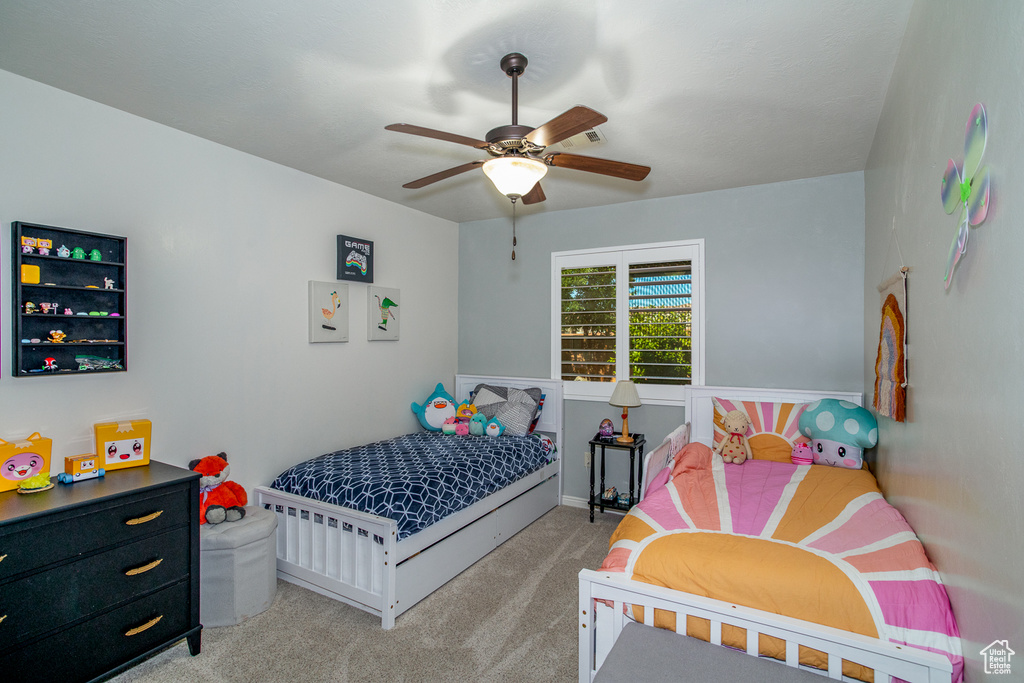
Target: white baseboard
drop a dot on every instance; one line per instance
(574, 502)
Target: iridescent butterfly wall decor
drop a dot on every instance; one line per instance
(966, 187)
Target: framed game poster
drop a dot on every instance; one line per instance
(355, 259)
(328, 312)
(383, 314)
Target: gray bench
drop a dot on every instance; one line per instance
(651, 655)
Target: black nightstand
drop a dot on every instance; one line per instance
(635, 448)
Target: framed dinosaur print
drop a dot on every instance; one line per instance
(383, 314)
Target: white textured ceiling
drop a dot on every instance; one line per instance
(711, 94)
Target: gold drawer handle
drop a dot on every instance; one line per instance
(3, 617)
(144, 568)
(2, 557)
(148, 625)
(143, 520)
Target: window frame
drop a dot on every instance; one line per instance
(621, 257)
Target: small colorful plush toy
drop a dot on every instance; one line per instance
(448, 426)
(220, 500)
(734, 447)
(461, 428)
(802, 455)
(477, 424)
(494, 427)
(465, 412)
(839, 431)
(438, 407)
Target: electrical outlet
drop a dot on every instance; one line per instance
(586, 459)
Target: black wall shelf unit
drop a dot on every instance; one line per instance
(78, 290)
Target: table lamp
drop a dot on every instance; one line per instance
(624, 396)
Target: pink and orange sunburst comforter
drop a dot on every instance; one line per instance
(811, 542)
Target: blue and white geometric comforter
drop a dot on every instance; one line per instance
(416, 479)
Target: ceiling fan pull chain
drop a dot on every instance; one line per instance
(513, 228)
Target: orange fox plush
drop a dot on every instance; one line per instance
(220, 500)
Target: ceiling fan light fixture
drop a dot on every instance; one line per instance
(515, 176)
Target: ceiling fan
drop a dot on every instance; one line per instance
(518, 160)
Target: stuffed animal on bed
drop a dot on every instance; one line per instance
(734, 447)
(448, 426)
(477, 424)
(465, 412)
(438, 407)
(220, 500)
(494, 427)
(839, 431)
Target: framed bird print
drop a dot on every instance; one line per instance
(328, 312)
(383, 313)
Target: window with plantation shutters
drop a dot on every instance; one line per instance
(632, 312)
(588, 324)
(660, 322)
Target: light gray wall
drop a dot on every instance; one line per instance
(954, 469)
(784, 280)
(221, 246)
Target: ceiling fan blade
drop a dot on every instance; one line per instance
(534, 196)
(441, 175)
(436, 134)
(617, 169)
(565, 125)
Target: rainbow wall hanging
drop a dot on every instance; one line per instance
(890, 397)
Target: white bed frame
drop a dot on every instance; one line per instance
(600, 624)
(356, 558)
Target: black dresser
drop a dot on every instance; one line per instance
(97, 575)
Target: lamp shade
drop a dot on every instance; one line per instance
(625, 395)
(515, 176)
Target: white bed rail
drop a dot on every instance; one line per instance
(342, 553)
(886, 659)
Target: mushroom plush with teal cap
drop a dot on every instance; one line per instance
(839, 432)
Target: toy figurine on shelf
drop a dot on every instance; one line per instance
(63, 251)
(45, 246)
(29, 307)
(28, 245)
(80, 468)
(57, 337)
(95, 255)
(67, 311)
(50, 364)
(108, 283)
(78, 253)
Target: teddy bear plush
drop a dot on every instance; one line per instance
(220, 500)
(734, 447)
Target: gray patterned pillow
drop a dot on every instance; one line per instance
(514, 408)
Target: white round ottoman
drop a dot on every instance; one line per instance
(238, 568)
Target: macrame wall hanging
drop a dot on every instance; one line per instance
(891, 378)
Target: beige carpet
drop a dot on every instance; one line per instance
(510, 617)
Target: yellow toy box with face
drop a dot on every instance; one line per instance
(80, 468)
(123, 444)
(21, 460)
